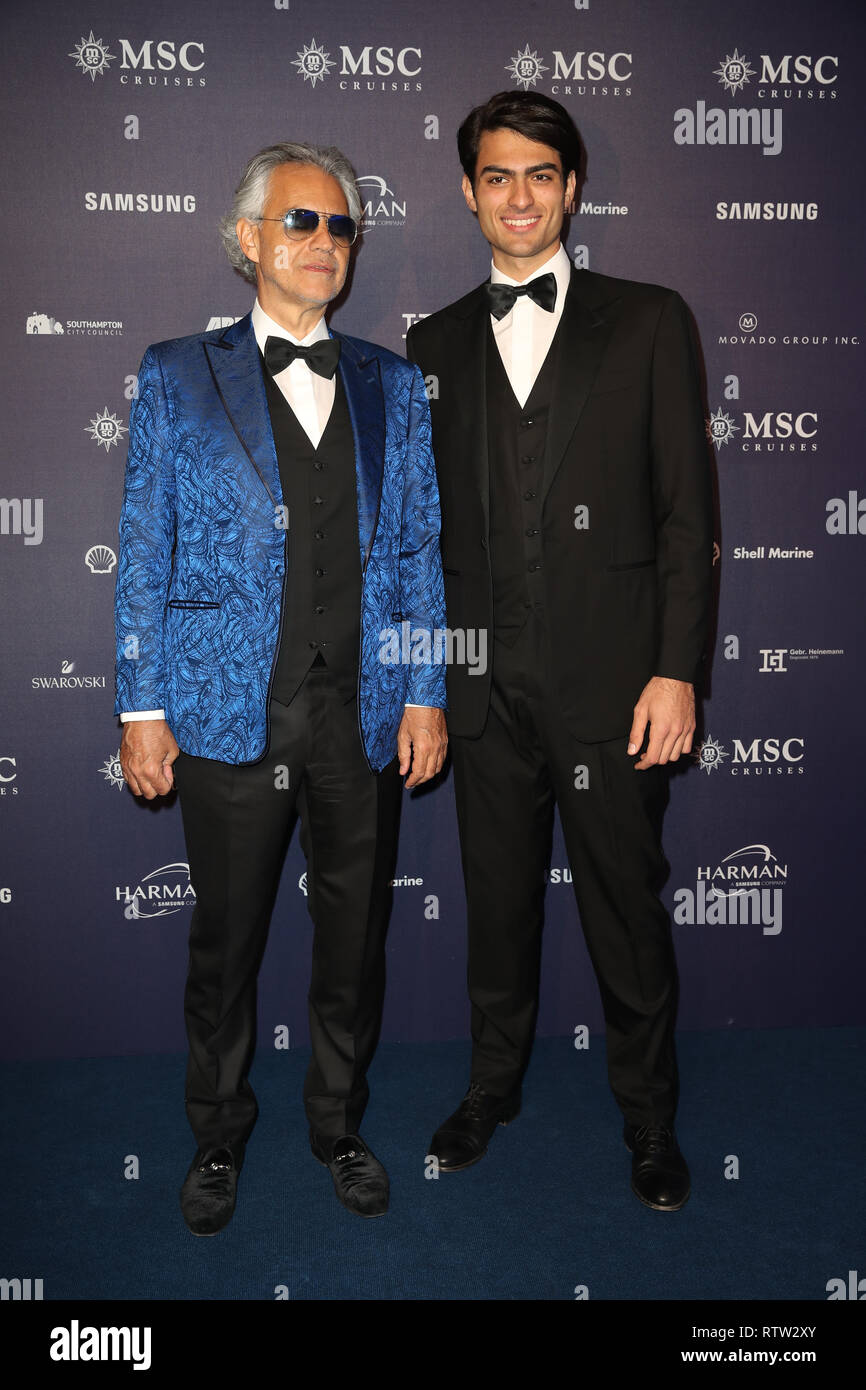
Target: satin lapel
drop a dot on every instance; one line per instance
(235, 366)
(584, 332)
(469, 357)
(362, 380)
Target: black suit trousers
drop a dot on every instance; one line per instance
(507, 782)
(237, 823)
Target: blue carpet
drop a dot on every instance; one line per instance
(549, 1209)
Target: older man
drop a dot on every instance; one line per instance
(280, 499)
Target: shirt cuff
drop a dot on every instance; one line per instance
(129, 716)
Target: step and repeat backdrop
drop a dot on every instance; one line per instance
(724, 159)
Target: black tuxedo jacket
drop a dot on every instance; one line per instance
(628, 592)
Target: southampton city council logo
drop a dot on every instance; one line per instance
(112, 771)
(106, 429)
(92, 56)
(720, 427)
(734, 72)
(313, 63)
(526, 68)
(710, 755)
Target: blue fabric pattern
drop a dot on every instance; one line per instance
(201, 562)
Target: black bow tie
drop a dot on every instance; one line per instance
(542, 291)
(321, 358)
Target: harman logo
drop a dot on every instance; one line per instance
(780, 431)
(106, 429)
(773, 756)
(302, 883)
(161, 893)
(381, 207)
(112, 771)
(574, 76)
(744, 888)
(159, 57)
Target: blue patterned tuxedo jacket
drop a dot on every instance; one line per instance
(201, 569)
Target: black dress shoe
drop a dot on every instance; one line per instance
(659, 1173)
(462, 1140)
(207, 1198)
(360, 1181)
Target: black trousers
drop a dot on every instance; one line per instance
(507, 782)
(237, 822)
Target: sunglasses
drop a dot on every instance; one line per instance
(302, 222)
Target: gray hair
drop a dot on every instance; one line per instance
(251, 192)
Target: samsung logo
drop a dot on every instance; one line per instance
(766, 212)
(139, 202)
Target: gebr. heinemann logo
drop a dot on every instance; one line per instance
(734, 72)
(92, 56)
(106, 429)
(313, 63)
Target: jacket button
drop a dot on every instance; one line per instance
(320, 535)
(483, 543)
(319, 574)
(317, 501)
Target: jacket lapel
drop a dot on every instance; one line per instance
(237, 375)
(588, 319)
(362, 380)
(469, 358)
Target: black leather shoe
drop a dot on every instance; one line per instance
(360, 1181)
(659, 1173)
(462, 1140)
(207, 1198)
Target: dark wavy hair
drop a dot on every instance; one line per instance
(530, 114)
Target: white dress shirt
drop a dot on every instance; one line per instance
(524, 335)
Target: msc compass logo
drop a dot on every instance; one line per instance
(710, 755)
(734, 72)
(313, 63)
(112, 771)
(381, 208)
(526, 68)
(720, 427)
(92, 56)
(106, 429)
(302, 883)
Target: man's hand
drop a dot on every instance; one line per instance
(147, 751)
(668, 706)
(422, 741)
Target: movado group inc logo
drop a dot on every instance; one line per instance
(388, 68)
(106, 429)
(750, 336)
(581, 74)
(142, 62)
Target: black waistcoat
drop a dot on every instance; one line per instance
(516, 442)
(322, 596)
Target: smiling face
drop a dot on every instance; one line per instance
(296, 279)
(520, 200)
